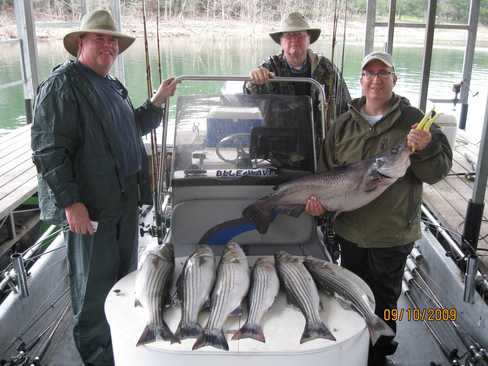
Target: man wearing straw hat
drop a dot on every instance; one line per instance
(297, 60)
(92, 165)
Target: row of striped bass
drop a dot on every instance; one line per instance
(332, 278)
(302, 292)
(231, 287)
(153, 283)
(343, 189)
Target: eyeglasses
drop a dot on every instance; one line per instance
(382, 74)
(295, 35)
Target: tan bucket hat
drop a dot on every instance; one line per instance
(295, 22)
(96, 21)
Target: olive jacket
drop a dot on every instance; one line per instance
(393, 219)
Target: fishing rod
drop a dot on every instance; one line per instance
(24, 346)
(475, 352)
(331, 97)
(159, 49)
(154, 166)
(42, 352)
(339, 89)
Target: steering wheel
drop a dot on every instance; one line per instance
(239, 142)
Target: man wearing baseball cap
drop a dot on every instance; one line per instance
(297, 60)
(93, 171)
(376, 239)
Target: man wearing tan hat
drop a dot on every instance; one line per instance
(376, 239)
(297, 60)
(93, 171)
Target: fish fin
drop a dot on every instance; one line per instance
(236, 312)
(189, 330)
(179, 285)
(261, 214)
(379, 328)
(152, 334)
(291, 210)
(253, 331)
(207, 304)
(345, 304)
(212, 337)
(334, 217)
(316, 330)
(137, 303)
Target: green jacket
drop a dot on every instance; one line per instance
(73, 144)
(392, 219)
(322, 71)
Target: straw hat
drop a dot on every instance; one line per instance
(96, 21)
(295, 22)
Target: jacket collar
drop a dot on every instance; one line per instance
(389, 118)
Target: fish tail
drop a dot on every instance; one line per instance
(189, 330)
(152, 334)
(260, 213)
(379, 328)
(212, 337)
(316, 330)
(253, 331)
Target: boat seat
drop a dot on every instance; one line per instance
(193, 219)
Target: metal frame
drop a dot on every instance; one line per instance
(471, 27)
(27, 33)
(316, 84)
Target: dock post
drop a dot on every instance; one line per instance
(474, 11)
(474, 213)
(370, 27)
(429, 42)
(27, 34)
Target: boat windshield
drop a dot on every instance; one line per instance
(242, 135)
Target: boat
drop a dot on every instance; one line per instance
(226, 151)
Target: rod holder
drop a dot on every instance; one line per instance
(405, 287)
(416, 254)
(470, 278)
(20, 273)
(407, 276)
(411, 264)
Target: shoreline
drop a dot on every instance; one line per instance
(55, 30)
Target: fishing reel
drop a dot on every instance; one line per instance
(20, 359)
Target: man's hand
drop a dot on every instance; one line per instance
(260, 75)
(418, 140)
(314, 207)
(78, 219)
(165, 90)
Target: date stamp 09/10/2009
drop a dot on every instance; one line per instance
(421, 314)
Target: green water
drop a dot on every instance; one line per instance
(236, 56)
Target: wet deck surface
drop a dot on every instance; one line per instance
(448, 199)
(17, 183)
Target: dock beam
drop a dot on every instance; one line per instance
(27, 34)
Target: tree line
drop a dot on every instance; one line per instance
(262, 11)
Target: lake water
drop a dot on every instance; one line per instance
(237, 55)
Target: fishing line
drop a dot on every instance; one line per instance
(33, 258)
(54, 233)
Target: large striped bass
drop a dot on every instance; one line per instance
(194, 286)
(343, 189)
(265, 286)
(230, 288)
(302, 292)
(332, 278)
(152, 287)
